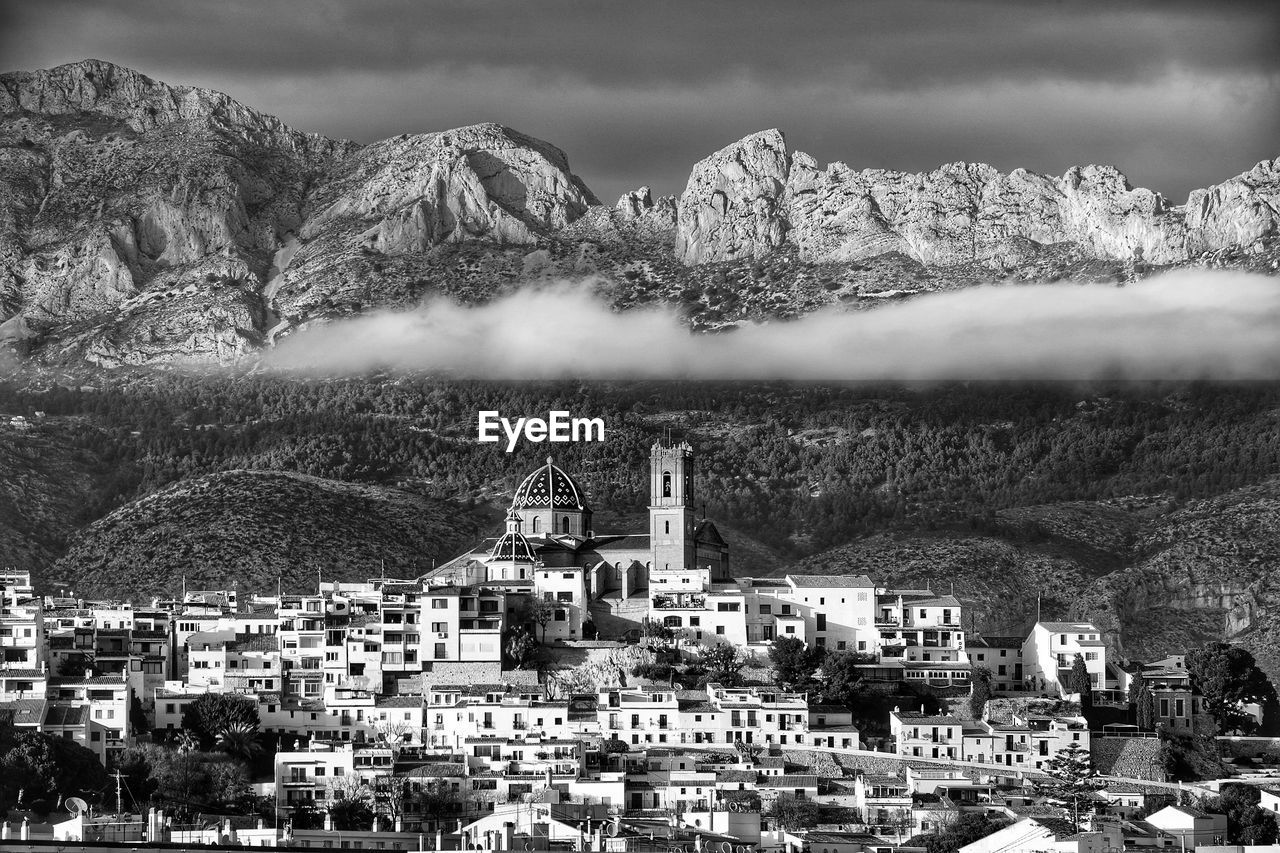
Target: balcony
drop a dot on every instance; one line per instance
(680, 601)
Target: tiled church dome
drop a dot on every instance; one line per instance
(546, 483)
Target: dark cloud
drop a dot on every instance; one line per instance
(1179, 94)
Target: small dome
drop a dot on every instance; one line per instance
(549, 487)
(513, 547)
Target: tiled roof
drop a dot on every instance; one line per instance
(26, 712)
(789, 781)
(996, 642)
(1069, 627)
(254, 643)
(93, 680)
(66, 715)
(831, 581)
(625, 542)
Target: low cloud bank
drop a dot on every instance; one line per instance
(1184, 325)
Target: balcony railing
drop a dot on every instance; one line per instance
(679, 601)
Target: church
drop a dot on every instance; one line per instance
(551, 549)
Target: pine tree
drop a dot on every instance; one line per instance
(979, 691)
(1078, 682)
(1072, 780)
(1143, 702)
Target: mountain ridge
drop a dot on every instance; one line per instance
(149, 224)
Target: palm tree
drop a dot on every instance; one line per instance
(240, 740)
(187, 741)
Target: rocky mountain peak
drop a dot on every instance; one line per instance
(752, 197)
(103, 88)
(730, 209)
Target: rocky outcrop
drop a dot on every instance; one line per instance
(130, 210)
(749, 198)
(92, 86)
(142, 223)
(484, 181)
(732, 206)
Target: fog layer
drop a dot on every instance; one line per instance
(1182, 325)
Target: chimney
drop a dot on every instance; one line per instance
(439, 839)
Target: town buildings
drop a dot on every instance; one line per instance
(395, 688)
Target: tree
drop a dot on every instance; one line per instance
(45, 768)
(540, 612)
(240, 740)
(748, 752)
(841, 677)
(614, 746)
(724, 664)
(966, 829)
(979, 691)
(656, 629)
(1072, 780)
(1143, 702)
(794, 662)
(1247, 823)
(1228, 678)
(350, 803)
(790, 812)
(1078, 682)
(214, 713)
(522, 648)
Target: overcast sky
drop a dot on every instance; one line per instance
(1176, 94)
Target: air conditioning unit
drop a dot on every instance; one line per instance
(442, 635)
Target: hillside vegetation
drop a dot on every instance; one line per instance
(1151, 508)
(249, 529)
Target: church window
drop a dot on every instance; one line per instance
(666, 484)
(666, 527)
(564, 524)
(537, 524)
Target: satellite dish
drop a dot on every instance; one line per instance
(76, 806)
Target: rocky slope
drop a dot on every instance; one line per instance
(144, 223)
(754, 196)
(1155, 577)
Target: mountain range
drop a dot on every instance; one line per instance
(143, 223)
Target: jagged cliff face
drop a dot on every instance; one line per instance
(143, 223)
(754, 196)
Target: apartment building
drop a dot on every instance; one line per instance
(1050, 650)
(920, 735)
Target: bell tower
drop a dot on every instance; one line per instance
(671, 507)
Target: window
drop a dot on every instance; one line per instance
(439, 603)
(666, 527)
(564, 524)
(666, 484)
(720, 629)
(766, 609)
(537, 525)
(822, 621)
(728, 607)
(564, 596)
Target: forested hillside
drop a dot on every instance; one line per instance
(1079, 494)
